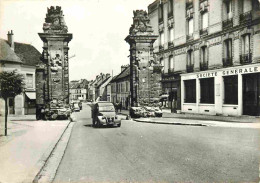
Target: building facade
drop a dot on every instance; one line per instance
(215, 51)
(120, 87)
(23, 58)
(78, 90)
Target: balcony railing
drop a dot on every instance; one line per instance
(170, 14)
(170, 44)
(203, 66)
(171, 70)
(203, 32)
(190, 68)
(227, 24)
(227, 62)
(245, 17)
(246, 58)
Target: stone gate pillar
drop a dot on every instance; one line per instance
(53, 72)
(141, 39)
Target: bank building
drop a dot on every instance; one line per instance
(210, 50)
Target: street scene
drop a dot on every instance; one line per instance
(129, 91)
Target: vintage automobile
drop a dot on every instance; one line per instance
(135, 112)
(150, 111)
(103, 113)
(158, 112)
(75, 107)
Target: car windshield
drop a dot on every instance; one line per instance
(108, 108)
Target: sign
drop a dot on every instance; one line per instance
(240, 71)
(207, 74)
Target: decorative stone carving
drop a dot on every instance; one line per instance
(170, 23)
(141, 23)
(54, 21)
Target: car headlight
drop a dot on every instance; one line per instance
(116, 117)
(103, 117)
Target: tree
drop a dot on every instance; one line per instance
(11, 84)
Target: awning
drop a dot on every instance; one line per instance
(164, 96)
(31, 95)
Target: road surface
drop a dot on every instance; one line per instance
(143, 152)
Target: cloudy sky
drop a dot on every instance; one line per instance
(99, 28)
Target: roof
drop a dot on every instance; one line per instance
(79, 84)
(103, 82)
(125, 73)
(114, 78)
(23, 53)
(6, 53)
(27, 53)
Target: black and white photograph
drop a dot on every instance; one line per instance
(129, 91)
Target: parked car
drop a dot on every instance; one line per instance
(75, 107)
(150, 111)
(158, 111)
(103, 113)
(135, 112)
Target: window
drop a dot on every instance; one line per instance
(190, 57)
(171, 34)
(231, 90)
(190, 91)
(161, 38)
(204, 20)
(228, 48)
(161, 62)
(246, 44)
(207, 92)
(170, 8)
(229, 9)
(171, 64)
(203, 54)
(29, 80)
(160, 12)
(190, 26)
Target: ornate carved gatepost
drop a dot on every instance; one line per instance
(142, 77)
(52, 74)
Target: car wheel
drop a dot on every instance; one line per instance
(118, 125)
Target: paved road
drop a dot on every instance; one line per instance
(142, 152)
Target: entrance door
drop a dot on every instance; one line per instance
(251, 94)
(11, 106)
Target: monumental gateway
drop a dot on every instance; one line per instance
(52, 74)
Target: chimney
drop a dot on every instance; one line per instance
(10, 40)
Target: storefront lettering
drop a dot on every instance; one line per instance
(240, 71)
(208, 74)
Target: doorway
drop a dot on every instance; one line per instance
(251, 94)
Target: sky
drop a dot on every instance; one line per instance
(99, 28)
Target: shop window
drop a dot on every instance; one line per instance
(29, 80)
(207, 92)
(230, 90)
(190, 91)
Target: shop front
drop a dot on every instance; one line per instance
(233, 91)
(171, 97)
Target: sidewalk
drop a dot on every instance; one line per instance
(237, 119)
(27, 147)
(196, 122)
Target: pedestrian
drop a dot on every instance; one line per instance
(120, 106)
